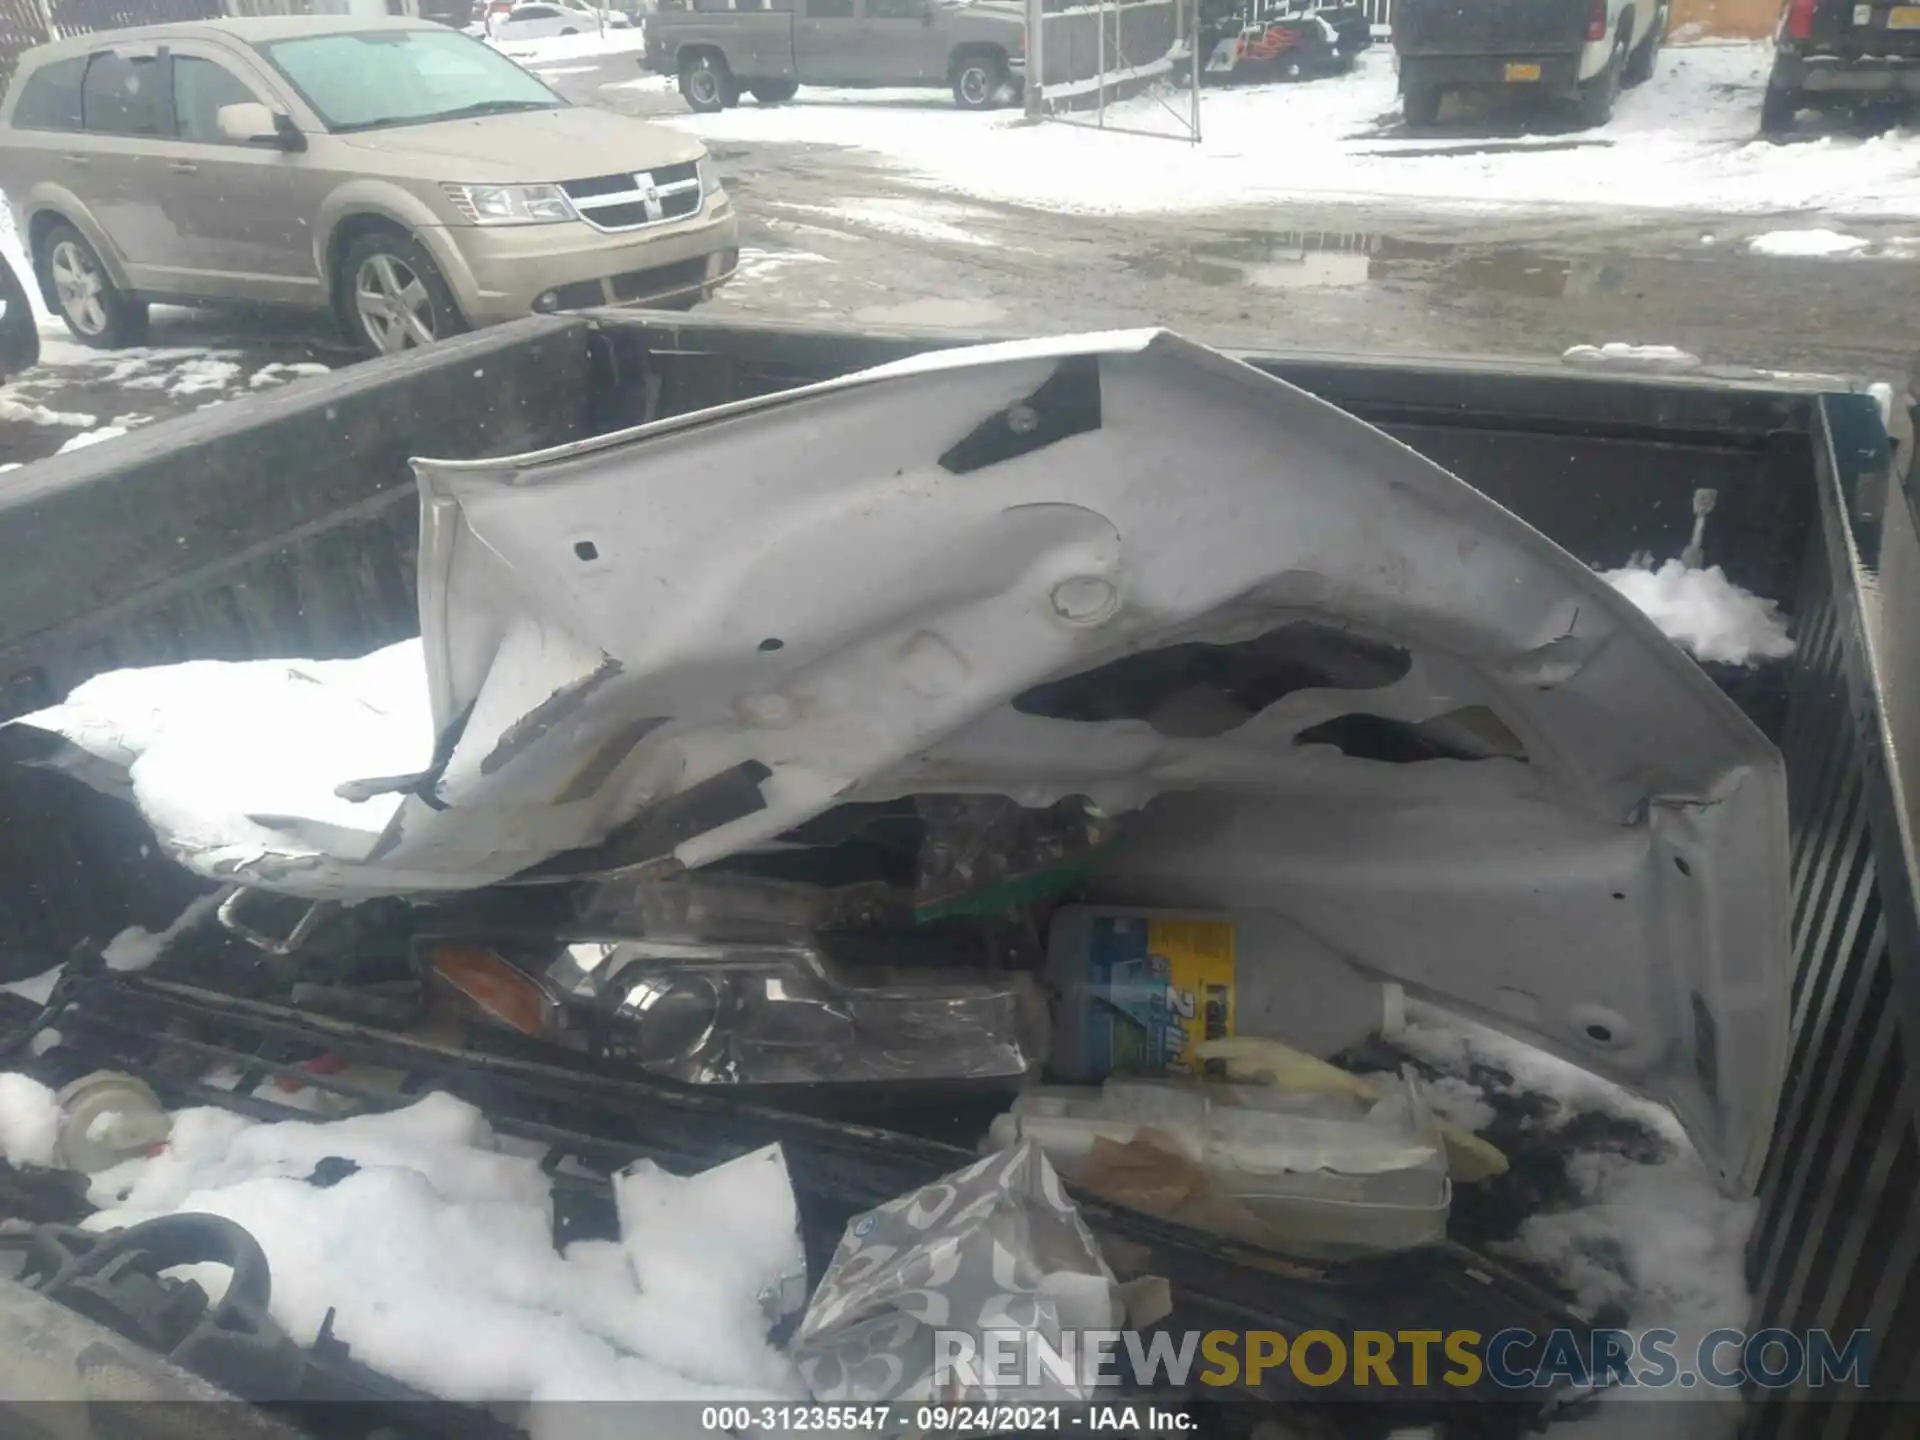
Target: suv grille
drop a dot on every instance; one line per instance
(627, 202)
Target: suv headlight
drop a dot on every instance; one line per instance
(510, 204)
(709, 176)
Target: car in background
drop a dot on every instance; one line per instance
(542, 18)
(406, 176)
(537, 19)
(1581, 52)
(454, 13)
(1831, 55)
(975, 47)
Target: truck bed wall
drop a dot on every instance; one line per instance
(285, 526)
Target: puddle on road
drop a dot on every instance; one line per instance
(1345, 260)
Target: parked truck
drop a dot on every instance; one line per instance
(290, 525)
(975, 47)
(1576, 52)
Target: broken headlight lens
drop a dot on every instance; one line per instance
(509, 204)
(717, 1013)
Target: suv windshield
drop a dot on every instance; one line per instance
(374, 78)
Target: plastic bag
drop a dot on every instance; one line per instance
(996, 1247)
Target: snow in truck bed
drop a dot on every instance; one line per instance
(445, 1228)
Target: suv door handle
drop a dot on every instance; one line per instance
(76, 160)
(182, 167)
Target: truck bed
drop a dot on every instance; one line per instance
(288, 525)
(197, 546)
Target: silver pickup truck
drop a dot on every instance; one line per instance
(978, 47)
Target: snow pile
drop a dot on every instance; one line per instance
(1704, 613)
(1460, 1101)
(436, 1257)
(1656, 1239)
(720, 1242)
(1882, 394)
(1653, 1236)
(1801, 244)
(91, 437)
(214, 750)
(29, 1121)
(135, 948)
(279, 372)
(37, 988)
(1456, 1046)
(1621, 355)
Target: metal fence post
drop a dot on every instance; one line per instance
(1036, 59)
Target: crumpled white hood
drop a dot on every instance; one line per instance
(676, 644)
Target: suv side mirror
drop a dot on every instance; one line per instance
(252, 123)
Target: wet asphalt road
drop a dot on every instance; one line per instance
(830, 233)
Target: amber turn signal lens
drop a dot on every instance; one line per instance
(494, 987)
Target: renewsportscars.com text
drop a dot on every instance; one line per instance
(1004, 1361)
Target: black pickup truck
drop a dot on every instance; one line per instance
(1580, 52)
(1830, 54)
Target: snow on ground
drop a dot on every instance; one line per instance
(1652, 1236)
(913, 219)
(1704, 613)
(661, 83)
(764, 265)
(1686, 140)
(197, 376)
(559, 48)
(445, 1231)
(12, 407)
(1802, 244)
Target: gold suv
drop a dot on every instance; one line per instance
(406, 176)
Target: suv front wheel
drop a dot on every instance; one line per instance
(394, 296)
(98, 312)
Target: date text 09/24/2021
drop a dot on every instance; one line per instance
(927, 1419)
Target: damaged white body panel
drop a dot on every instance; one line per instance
(1342, 684)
